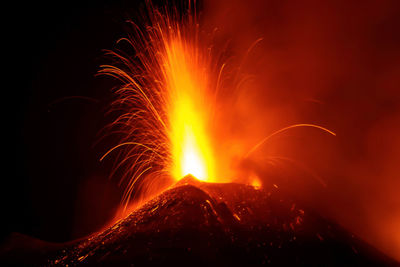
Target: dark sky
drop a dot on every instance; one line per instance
(55, 188)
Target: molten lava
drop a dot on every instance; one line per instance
(165, 103)
(186, 80)
(170, 89)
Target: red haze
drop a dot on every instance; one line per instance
(335, 64)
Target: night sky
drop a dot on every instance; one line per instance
(55, 188)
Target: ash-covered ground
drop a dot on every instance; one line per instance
(205, 224)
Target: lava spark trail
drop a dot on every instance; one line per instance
(163, 102)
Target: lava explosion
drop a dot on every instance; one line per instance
(167, 99)
(164, 102)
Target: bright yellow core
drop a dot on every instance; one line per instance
(187, 79)
(191, 148)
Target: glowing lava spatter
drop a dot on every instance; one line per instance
(169, 88)
(163, 99)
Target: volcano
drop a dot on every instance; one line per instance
(198, 223)
(206, 224)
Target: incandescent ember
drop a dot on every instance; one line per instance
(201, 223)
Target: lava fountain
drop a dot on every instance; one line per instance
(165, 104)
(186, 72)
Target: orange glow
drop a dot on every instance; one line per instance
(255, 182)
(165, 102)
(187, 106)
(168, 118)
(186, 81)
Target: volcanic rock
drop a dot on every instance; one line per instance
(202, 224)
